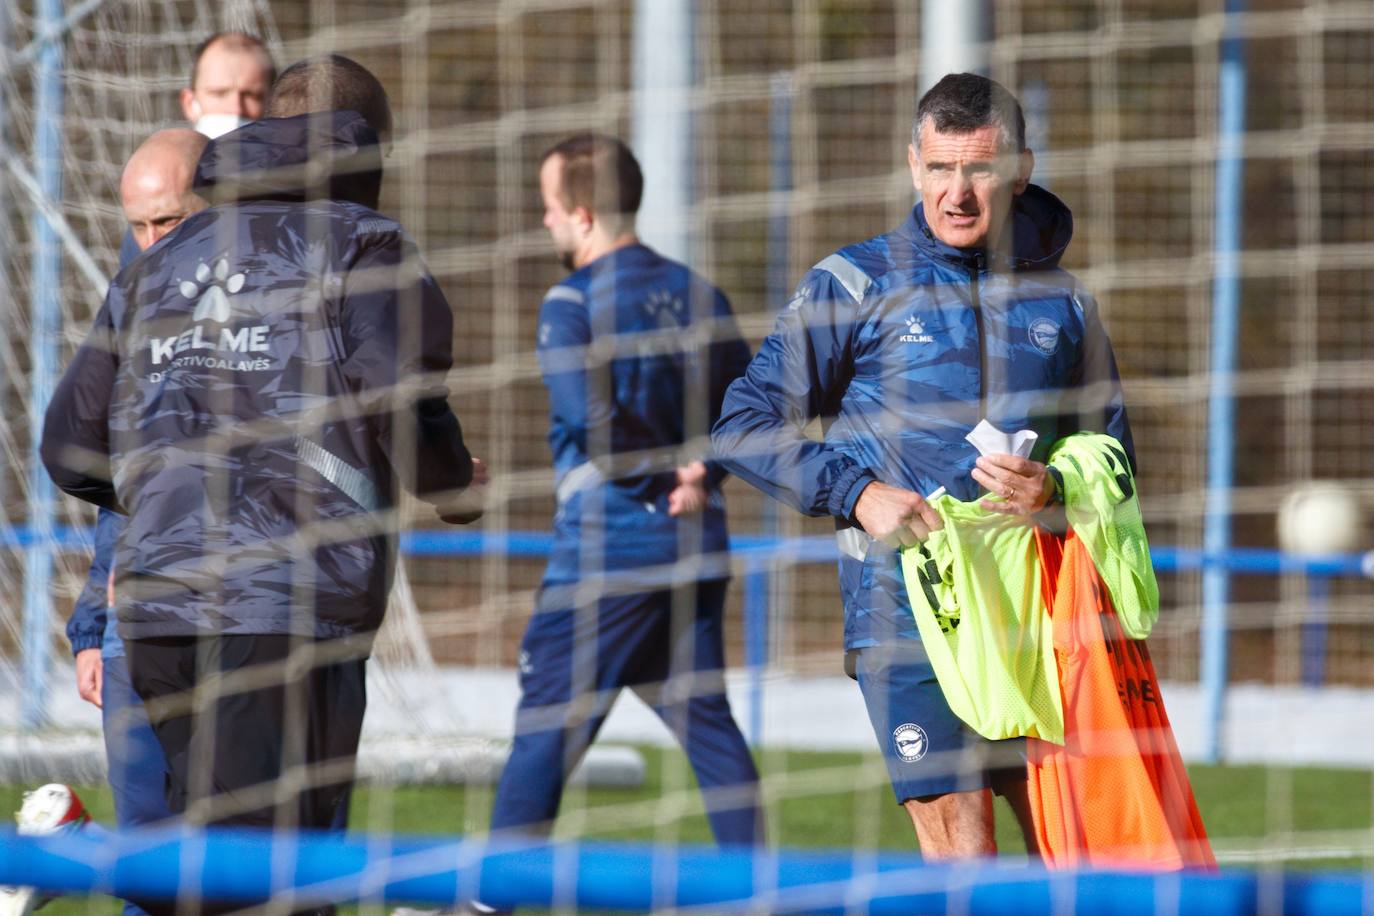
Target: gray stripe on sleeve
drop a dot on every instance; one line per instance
(377, 225)
(851, 277)
(566, 293)
(585, 476)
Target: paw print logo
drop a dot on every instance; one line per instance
(915, 332)
(211, 290)
(667, 307)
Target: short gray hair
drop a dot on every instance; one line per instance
(963, 102)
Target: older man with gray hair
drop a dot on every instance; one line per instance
(902, 344)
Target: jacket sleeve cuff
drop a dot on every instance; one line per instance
(86, 641)
(715, 475)
(844, 493)
(86, 626)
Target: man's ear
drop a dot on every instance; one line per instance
(585, 218)
(913, 159)
(1025, 164)
(190, 108)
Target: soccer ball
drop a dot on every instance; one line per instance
(1321, 517)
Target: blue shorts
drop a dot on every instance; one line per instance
(928, 749)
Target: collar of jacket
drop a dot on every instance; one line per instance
(1040, 229)
(327, 155)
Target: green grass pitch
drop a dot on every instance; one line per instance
(1303, 818)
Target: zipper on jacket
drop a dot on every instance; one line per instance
(975, 272)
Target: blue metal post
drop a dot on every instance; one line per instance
(1216, 539)
(1035, 100)
(45, 283)
(756, 603)
(779, 186)
(1314, 632)
(759, 587)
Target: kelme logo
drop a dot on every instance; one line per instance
(915, 332)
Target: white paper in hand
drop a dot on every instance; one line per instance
(989, 440)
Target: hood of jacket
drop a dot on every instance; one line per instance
(1040, 229)
(329, 155)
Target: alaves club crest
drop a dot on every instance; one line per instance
(910, 741)
(1044, 335)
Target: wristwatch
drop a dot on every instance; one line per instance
(1057, 497)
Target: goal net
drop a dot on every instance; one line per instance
(799, 115)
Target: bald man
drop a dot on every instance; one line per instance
(230, 78)
(156, 188)
(155, 191)
(156, 195)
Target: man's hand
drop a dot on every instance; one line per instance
(1025, 486)
(90, 676)
(467, 505)
(899, 517)
(689, 496)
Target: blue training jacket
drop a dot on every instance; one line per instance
(255, 390)
(88, 627)
(636, 352)
(91, 626)
(900, 345)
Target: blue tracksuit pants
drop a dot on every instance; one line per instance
(137, 769)
(667, 646)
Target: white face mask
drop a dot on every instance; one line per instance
(217, 125)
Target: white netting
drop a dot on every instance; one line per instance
(122, 67)
(1122, 97)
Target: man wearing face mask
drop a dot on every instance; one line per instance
(230, 78)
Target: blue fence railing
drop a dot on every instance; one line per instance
(247, 866)
(755, 557)
(752, 550)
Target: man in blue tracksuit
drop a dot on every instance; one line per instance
(901, 344)
(636, 352)
(253, 394)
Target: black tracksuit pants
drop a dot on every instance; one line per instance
(258, 730)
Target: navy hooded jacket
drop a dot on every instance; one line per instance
(254, 391)
(900, 345)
